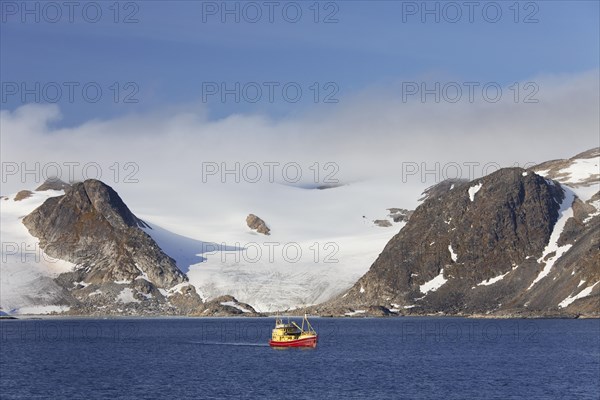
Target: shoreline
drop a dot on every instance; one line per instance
(38, 317)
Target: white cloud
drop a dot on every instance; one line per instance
(368, 136)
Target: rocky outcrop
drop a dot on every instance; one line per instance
(384, 223)
(53, 184)
(226, 306)
(22, 195)
(257, 224)
(92, 227)
(400, 214)
(485, 247)
(119, 268)
(396, 215)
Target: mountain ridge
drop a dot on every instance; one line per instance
(513, 243)
(542, 271)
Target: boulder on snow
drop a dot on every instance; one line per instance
(257, 224)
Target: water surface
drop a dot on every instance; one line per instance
(396, 358)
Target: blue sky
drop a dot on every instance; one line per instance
(170, 52)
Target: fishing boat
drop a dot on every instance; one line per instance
(292, 335)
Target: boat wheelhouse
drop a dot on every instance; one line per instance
(292, 335)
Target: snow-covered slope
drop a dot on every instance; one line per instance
(337, 244)
(321, 241)
(26, 272)
(580, 173)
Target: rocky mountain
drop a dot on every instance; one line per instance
(118, 266)
(91, 226)
(514, 243)
(510, 243)
(114, 266)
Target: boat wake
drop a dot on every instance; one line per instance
(232, 344)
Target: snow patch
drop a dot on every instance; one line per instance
(452, 253)
(543, 172)
(491, 281)
(473, 191)
(126, 296)
(174, 290)
(565, 212)
(584, 293)
(143, 274)
(433, 284)
(349, 314)
(596, 205)
(362, 289)
(582, 169)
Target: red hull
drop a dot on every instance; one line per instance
(305, 342)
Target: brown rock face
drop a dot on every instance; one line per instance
(91, 227)
(225, 306)
(480, 242)
(257, 224)
(23, 194)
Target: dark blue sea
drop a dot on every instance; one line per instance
(396, 358)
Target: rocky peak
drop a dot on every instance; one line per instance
(108, 203)
(91, 226)
(461, 241)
